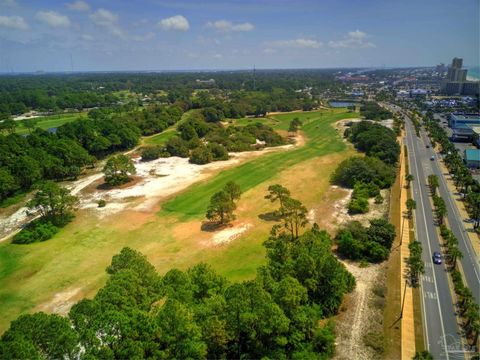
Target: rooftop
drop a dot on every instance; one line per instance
(472, 154)
(466, 116)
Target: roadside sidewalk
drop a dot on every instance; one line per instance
(408, 321)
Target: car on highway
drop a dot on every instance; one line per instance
(432, 158)
(428, 146)
(437, 258)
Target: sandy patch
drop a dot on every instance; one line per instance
(155, 180)
(376, 210)
(230, 234)
(356, 321)
(62, 302)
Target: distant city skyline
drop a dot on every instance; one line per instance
(120, 35)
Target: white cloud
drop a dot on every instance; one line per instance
(218, 56)
(354, 39)
(227, 26)
(108, 20)
(78, 5)
(294, 43)
(13, 22)
(53, 19)
(177, 22)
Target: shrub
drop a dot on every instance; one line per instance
(365, 170)
(379, 199)
(201, 155)
(358, 206)
(153, 152)
(177, 147)
(101, 203)
(218, 151)
(37, 230)
(359, 243)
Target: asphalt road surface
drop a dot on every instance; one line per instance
(442, 334)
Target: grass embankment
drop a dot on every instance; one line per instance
(47, 122)
(51, 275)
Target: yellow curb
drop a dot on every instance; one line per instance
(408, 323)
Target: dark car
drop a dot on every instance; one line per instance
(437, 258)
(428, 146)
(432, 158)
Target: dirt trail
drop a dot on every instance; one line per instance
(355, 322)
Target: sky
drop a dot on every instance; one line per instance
(121, 35)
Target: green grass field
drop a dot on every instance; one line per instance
(322, 140)
(76, 258)
(48, 122)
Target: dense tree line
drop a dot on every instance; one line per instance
(367, 170)
(274, 90)
(375, 140)
(42, 155)
(372, 111)
(366, 176)
(206, 141)
(198, 314)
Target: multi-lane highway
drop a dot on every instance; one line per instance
(469, 262)
(442, 333)
(440, 325)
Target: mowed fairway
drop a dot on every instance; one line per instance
(48, 122)
(50, 276)
(321, 140)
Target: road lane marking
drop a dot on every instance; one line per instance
(428, 242)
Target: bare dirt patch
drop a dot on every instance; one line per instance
(376, 210)
(227, 235)
(360, 316)
(62, 301)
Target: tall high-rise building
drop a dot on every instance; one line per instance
(456, 82)
(455, 71)
(457, 63)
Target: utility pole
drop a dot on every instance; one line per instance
(403, 301)
(254, 83)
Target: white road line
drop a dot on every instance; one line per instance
(428, 242)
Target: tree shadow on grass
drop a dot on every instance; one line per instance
(133, 180)
(212, 226)
(270, 216)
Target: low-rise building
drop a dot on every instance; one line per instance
(472, 158)
(461, 124)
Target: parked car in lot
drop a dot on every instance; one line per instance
(437, 258)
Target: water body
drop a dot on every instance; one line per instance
(474, 72)
(340, 104)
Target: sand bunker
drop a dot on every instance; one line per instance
(62, 302)
(156, 179)
(227, 235)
